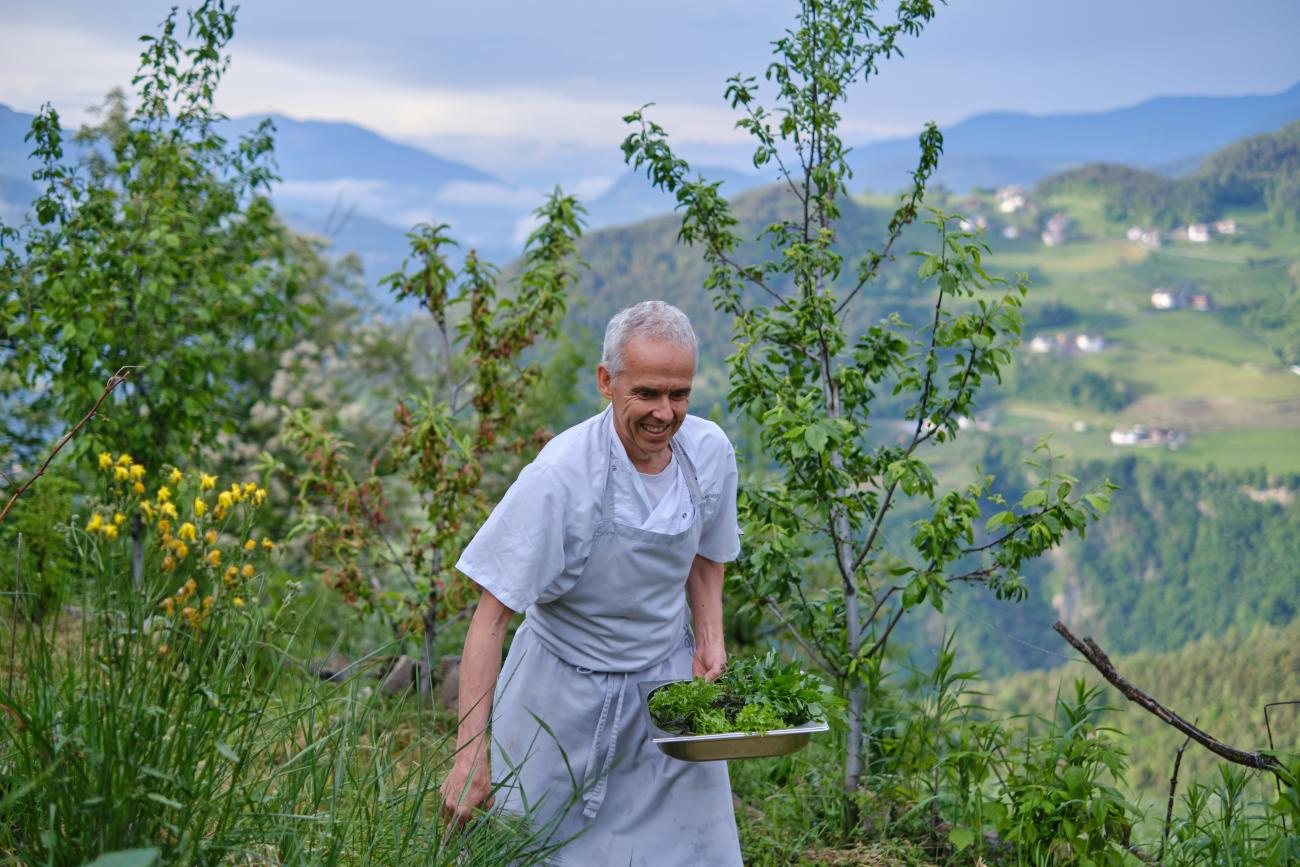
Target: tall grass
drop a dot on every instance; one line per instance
(171, 715)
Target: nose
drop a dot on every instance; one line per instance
(663, 410)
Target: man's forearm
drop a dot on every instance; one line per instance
(704, 589)
(479, 667)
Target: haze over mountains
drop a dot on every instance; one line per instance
(364, 191)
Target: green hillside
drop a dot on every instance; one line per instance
(1203, 535)
(1220, 683)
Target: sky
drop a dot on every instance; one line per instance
(525, 90)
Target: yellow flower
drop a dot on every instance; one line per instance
(187, 532)
(247, 571)
(163, 650)
(109, 531)
(250, 545)
(146, 507)
(181, 551)
(191, 615)
(138, 487)
(249, 488)
(239, 603)
(96, 521)
(164, 526)
(267, 545)
(210, 537)
(168, 564)
(124, 460)
(120, 474)
(119, 519)
(207, 603)
(169, 510)
(219, 512)
(105, 460)
(200, 507)
(190, 587)
(225, 500)
(231, 573)
(137, 471)
(236, 492)
(259, 496)
(214, 556)
(175, 476)
(168, 606)
(164, 494)
(206, 482)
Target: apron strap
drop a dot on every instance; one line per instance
(596, 780)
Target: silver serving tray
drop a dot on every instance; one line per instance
(732, 745)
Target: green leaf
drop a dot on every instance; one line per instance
(960, 838)
(229, 754)
(128, 858)
(816, 437)
(165, 801)
(1100, 502)
(1033, 498)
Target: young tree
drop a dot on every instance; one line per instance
(155, 248)
(480, 413)
(806, 372)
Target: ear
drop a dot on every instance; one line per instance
(605, 382)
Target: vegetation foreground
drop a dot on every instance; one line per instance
(164, 699)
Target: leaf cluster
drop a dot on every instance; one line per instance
(755, 694)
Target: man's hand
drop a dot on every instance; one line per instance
(467, 789)
(710, 660)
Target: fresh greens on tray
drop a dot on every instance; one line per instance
(756, 694)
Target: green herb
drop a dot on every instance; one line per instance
(756, 694)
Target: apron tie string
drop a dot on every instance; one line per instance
(598, 772)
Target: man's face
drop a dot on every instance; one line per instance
(649, 398)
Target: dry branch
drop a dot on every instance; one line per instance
(116, 380)
(1100, 661)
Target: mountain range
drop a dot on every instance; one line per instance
(364, 191)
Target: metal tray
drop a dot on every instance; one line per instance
(732, 745)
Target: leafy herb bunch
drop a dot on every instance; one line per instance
(756, 694)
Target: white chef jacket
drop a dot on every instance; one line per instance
(535, 543)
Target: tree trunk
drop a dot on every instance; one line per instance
(425, 674)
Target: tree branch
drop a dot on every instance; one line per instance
(1100, 661)
(116, 380)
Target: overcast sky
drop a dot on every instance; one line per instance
(521, 88)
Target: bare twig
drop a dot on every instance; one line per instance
(1173, 787)
(116, 380)
(1100, 661)
(13, 636)
(794, 633)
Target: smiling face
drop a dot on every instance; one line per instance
(649, 398)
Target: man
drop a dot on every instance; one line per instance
(602, 540)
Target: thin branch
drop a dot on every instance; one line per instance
(116, 380)
(794, 633)
(1173, 787)
(880, 642)
(880, 604)
(1095, 655)
(745, 274)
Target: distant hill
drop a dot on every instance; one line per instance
(632, 198)
(1262, 171)
(1005, 147)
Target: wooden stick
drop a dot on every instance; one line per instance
(1173, 787)
(116, 380)
(1101, 662)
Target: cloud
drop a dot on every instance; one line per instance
(489, 195)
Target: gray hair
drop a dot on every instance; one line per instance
(657, 320)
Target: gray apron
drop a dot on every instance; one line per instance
(569, 741)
